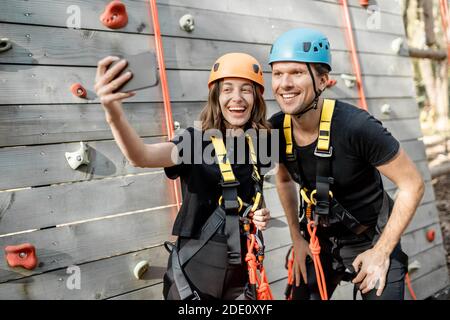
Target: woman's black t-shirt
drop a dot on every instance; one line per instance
(360, 144)
(200, 178)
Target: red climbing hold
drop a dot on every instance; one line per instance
(78, 90)
(331, 83)
(364, 3)
(115, 15)
(22, 255)
(431, 235)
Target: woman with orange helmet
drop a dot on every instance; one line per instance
(222, 190)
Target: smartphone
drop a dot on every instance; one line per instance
(144, 71)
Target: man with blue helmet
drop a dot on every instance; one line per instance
(336, 152)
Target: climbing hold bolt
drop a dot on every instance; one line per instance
(79, 157)
(187, 23)
(22, 255)
(5, 45)
(115, 15)
(140, 268)
(78, 90)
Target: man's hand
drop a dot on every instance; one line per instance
(261, 218)
(301, 251)
(372, 267)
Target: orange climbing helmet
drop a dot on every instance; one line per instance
(237, 65)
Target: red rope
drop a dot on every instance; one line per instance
(164, 85)
(315, 250)
(354, 55)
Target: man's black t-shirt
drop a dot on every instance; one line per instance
(360, 143)
(200, 178)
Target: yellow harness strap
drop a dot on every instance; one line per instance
(224, 163)
(323, 143)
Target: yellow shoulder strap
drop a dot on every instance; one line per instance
(224, 163)
(288, 134)
(253, 157)
(323, 144)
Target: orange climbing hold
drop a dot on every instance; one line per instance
(115, 15)
(22, 255)
(78, 90)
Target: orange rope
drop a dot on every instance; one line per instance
(354, 55)
(408, 283)
(290, 267)
(315, 250)
(261, 284)
(164, 85)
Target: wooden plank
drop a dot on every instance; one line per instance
(429, 260)
(98, 280)
(32, 85)
(429, 284)
(43, 124)
(415, 242)
(233, 28)
(56, 15)
(76, 244)
(45, 165)
(400, 108)
(180, 53)
(149, 293)
(38, 208)
(312, 12)
(61, 13)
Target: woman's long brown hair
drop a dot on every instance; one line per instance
(212, 118)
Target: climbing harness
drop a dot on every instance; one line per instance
(233, 217)
(319, 207)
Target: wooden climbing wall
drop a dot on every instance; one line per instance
(108, 215)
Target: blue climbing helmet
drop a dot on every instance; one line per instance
(301, 45)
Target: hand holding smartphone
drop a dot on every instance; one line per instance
(143, 68)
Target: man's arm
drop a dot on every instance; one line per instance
(287, 192)
(374, 263)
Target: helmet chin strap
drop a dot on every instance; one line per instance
(317, 93)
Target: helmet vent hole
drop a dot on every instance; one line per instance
(326, 47)
(320, 44)
(306, 46)
(216, 67)
(315, 49)
(255, 68)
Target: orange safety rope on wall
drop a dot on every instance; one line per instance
(445, 19)
(408, 283)
(354, 55)
(164, 85)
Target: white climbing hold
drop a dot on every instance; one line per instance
(79, 157)
(415, 265)
(386, 109)
(349, 80)
(397, 45)
(140, 268)
(187, 23)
